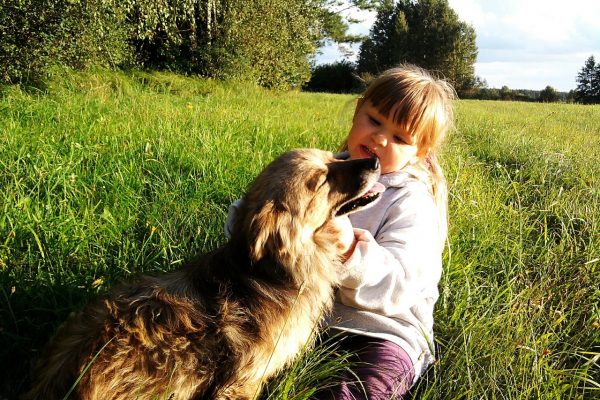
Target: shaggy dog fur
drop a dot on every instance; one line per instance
(229, 320)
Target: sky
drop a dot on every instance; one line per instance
(523, 44)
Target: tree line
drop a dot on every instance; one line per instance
(586, 92)
(268, 42)
(342, 77)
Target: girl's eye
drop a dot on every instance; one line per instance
(398, 139)
(374, 121)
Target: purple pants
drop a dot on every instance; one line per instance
(383, 367)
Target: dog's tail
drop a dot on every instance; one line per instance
(70, 353)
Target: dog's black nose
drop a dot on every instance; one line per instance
(371, 163)
(354, 166)
(375, 163)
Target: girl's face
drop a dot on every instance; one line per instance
(375, 135)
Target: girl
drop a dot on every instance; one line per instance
(384, 307)
(393, 250)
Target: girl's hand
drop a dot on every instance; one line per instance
(342, 228)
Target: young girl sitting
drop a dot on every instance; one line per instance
(384, 308)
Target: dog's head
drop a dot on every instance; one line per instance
(292, 201)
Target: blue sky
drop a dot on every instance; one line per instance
(523, 44)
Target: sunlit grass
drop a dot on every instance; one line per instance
(105, 175)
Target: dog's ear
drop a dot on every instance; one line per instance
(262, 227)
(273, 231)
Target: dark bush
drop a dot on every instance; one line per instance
(338, 77)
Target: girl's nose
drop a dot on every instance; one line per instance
(380, 139)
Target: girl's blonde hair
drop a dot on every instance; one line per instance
(422, 105)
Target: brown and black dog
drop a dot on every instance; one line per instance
(221, 326)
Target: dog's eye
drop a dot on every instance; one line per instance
(317, 182)
(322, 181)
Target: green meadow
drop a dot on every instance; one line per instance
(104, 175)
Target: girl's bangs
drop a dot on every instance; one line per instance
(403, 107)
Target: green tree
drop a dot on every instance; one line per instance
(386, 39)
(35, 34)
(423, 32)
(588, 82)
(334, 25)
(272, 44)
(505, 93)
(549, 95)
(338, 77)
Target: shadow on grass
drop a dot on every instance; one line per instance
(29, 316)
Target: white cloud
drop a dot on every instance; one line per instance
(530, 75)
(534, 43)
(470, 11)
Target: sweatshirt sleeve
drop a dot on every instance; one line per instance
(233, 210)
(386, 274)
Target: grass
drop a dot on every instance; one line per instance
(104, 175)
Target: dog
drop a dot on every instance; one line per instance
(229, 320)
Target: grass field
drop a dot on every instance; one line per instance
(104, 175)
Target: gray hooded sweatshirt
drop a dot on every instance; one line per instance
(391, 281)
